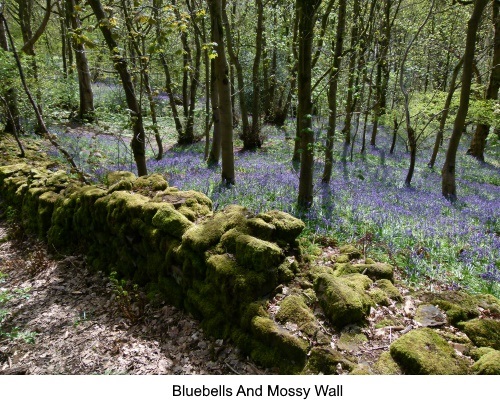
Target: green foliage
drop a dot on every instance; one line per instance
(130, 299)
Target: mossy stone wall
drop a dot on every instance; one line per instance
(219, 266)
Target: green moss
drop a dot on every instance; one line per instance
(423, 351)
(479, 352)
(316, 271)
(294, 309)
(489, 364)
(458, 305)
(288, 269)
(376, 271)
(325, 360)
(342, 259)
(482, 332)
(344, 301)
(117, 176)
(46, 204)
(152, 182)
(171, 221)
(386, 365)
(379, 297)
(288, 228)
(351, 340)
(261, 229)
(9, 170)
(351, 252)
(237, 285)
(389, 288)
(121, 185)
(272, 335)
(207, 234)
(228, 240)
(257, 253)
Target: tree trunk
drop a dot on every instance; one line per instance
(86, 110)
(478, 143)
(214, 156)
(332, 93)
(448, 172)
(224, 89)
(253, 141)
(351, 100)
(120, 63)
(382, 79)
(245, 123)
(306, 10)
(444, 115)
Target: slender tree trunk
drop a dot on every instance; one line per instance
(253, 141)
(351, 100)
(214, 156)
(444, 115)
(332, 93)
(306, 14)
(382, 79)
(224, 89)
(448, 172)
(13, 122)
(245, 123)
(478, 143)
(138, 139)
(86, 110)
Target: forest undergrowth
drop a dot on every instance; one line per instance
(428, 238)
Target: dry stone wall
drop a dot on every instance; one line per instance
(239, 274)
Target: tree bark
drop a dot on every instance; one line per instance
(448, 184)
(444, 115)
(120, 63)
(86, 109)
(245, 123)
(478, 143)
(224, 89)
(332, 93)
(306, 10)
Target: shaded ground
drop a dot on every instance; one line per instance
(61, 318)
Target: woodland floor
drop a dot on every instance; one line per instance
(61, 318)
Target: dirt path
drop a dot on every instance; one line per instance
(58, 317)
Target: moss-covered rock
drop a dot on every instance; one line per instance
(479, 352)
(458, 305)
(350, 251)
(171, 221)
(324, 359)
(152, 182)
(236, 285)
(117, 176)
(288, 228)
(288, 269)
(482, 332)
(423, 351)
(351, 339)
(379, 297)
(260, 228)
(386, 365)
(272, 335)
(257, 253)
(123, 184)
(389, 288)
(294, 309)
(207, 234)
(488, 364)
(376, 271)
(343, 299)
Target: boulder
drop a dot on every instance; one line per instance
(423, 351)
